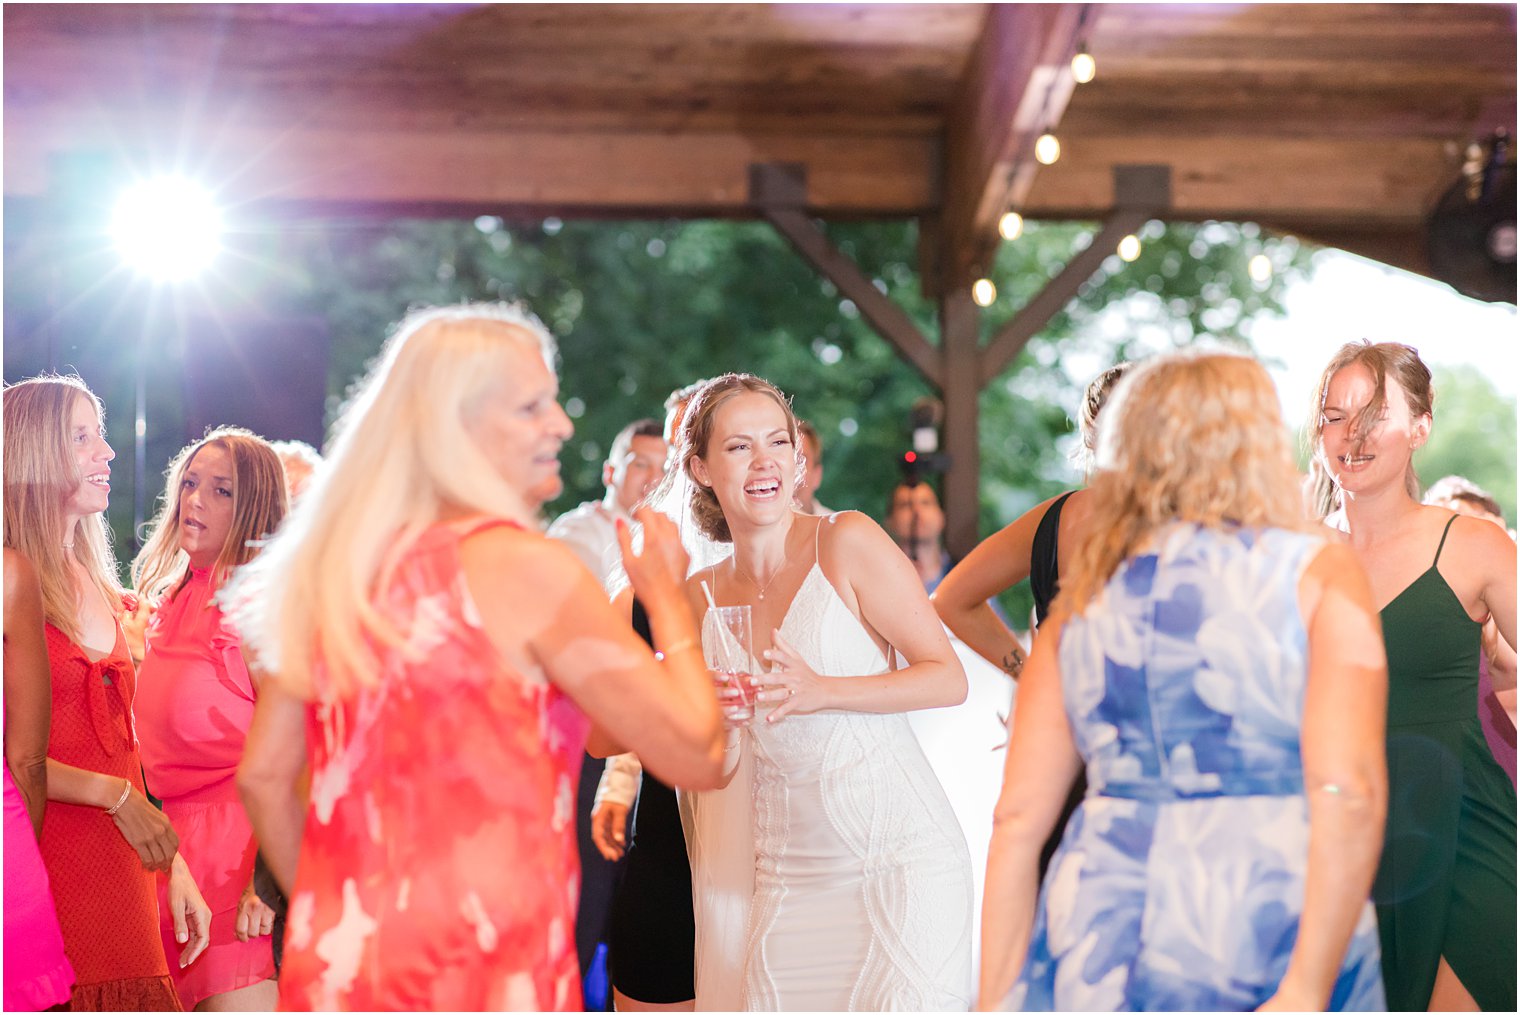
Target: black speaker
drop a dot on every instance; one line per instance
(269, 376)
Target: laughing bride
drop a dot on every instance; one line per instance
(830, 873)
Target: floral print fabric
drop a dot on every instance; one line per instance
(438, 866)
(1180, 880)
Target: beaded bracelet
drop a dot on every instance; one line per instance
(126, 791)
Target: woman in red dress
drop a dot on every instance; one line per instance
(102, 840)
(436, 659)
(225, 494)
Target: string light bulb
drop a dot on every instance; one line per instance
(1047, 149)
(1129, 248)
(1083, 67)
(983, 292)
(1011, 225)
(1260, 268)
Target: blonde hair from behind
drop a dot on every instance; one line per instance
(41, 474)
(259, 503)
(1187, 437)
(1385, 361)
(400, 454)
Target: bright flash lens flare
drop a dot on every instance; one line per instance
(1047, 149)
(1083, 67)
(1260, 268)
(1129, 247)
(1011, 225)
(983, 292)
(167, 228)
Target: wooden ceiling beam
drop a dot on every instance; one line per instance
(645, 173)
(1014, 85)
(1258, 177)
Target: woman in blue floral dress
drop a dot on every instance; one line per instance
(1219, 670)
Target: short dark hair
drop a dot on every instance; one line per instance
(646, 427)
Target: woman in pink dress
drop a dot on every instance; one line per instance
(225, 494)
(37, 973)
(103, 842)
(436, 659)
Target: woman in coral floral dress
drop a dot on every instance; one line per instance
(445, 714)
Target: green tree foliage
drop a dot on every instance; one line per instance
(641, 308)
(1473, 436)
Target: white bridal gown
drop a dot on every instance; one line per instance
(858, 882)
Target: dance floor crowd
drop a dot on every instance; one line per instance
(341, 745)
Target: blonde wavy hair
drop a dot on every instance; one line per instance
(259, 503)
(1190, 437)
(401, 452)
(696, 433)
(41, 474)
(1386, 361)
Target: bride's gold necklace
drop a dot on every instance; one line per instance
(786, 560)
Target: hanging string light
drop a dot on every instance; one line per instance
(1047, 149)
(1011, 225)
(1129, 248)
(1083, 67)
(983, 292)
(1260, 268)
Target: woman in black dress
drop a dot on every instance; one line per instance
(1038, 545)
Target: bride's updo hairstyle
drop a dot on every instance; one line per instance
(697, 431)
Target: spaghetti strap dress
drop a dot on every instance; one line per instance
(107, 901)
(862, 886)
(194, 706)
(1446, 884)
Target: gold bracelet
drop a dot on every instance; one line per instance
(680, 646)
(126, 791)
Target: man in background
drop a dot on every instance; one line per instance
(634, 465)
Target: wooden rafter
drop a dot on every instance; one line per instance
(780, 192)
(1140, 193)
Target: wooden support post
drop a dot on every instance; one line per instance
(960, 337)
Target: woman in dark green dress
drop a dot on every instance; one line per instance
(1445, 891)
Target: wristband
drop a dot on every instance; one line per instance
(126, 791)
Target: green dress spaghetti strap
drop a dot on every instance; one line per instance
(1446, 884)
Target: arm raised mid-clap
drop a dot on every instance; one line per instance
(548, 616)
(1345, 771)
(890, 599)
(999, 562)
(1042, 762)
